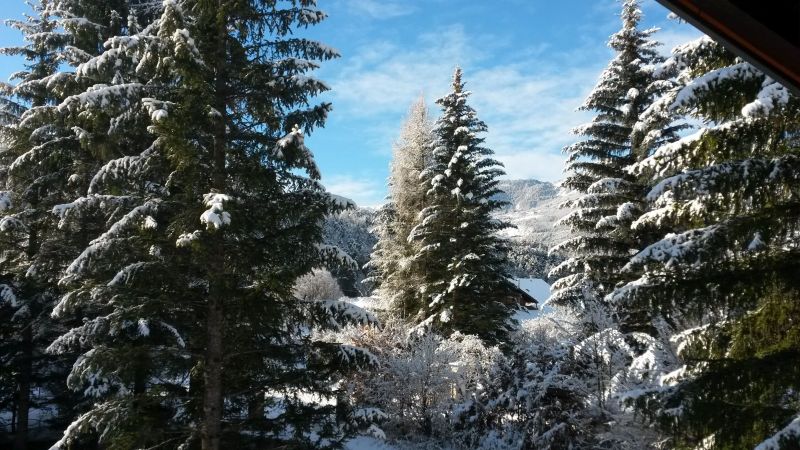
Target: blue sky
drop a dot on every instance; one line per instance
(529, 64)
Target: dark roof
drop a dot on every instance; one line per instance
(527, 299)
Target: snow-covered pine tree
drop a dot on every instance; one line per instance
(213, 210)
(464, 286)
(727, 205)
(34, 178)
(620, 350)
(91, 22)
(541, 389)
(394, 268)
(353, 231)
(611, 198)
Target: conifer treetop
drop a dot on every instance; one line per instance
(464, 283)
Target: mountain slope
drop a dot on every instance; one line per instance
(534, 209)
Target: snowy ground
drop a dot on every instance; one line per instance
(536, 287)
(367, 443)
(368, 303)
(38, 420)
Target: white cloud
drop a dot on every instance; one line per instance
(365, 191)
(673, 37)
(528, 104)
(527, 94)
(530, 116)
(543, 166)
(383, 78)
(380, 9)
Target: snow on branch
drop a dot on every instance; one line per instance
(7, 295)
(341, 202)
(772, 95)
(5, 200)
(352, 355)
(174, 332)
(102, 96)
(66, 211)
(126, 274)
(674, 248)
(336, 255)
(292, 149)
(74, 430)
(34, 155)
(157, 109)
(186, 239)
(689, 95)
(633, 288)
(753, 171)
(790, 433)
(215, 217)
(127, 166)
(673, 152)
(336, 314)
(98, 246)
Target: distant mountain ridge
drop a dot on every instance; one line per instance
(526, 194)
(534, 208)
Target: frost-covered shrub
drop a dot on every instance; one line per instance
(426, 384)
(551, 389)
(319, 284)
(568, 391)
(540, 393)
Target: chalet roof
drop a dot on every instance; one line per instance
(523, 295)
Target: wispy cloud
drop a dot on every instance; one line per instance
(383, 78)
(365, 191)
(529, 106)
(530, 114)
(672, 38)
(539, 165)
(380, 9)
(527, 94)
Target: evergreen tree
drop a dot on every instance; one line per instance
(35, 177)
(353, 231)
(725, 202)
(396, 270)
(213, 209)
(610, 197)
(619, 351)
(464, 285)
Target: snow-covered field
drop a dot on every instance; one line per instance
(368, 443)
(536, 287)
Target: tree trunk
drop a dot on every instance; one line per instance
(26, 366)
(212, 373)
(24, 390)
